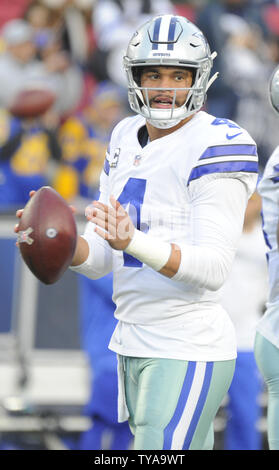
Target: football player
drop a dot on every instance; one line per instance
(173, 194)
(267, 338)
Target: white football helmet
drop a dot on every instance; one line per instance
(274, 89)
(168, 40)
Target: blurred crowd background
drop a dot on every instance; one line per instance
(74, 48)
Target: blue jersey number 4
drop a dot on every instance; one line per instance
(230, 124)
(133, 195)
(224, 122)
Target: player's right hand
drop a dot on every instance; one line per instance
(19, 213)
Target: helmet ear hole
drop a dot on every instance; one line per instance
(194, 75)
(137, 71)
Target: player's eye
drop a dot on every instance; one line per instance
(153, 76)
(180, 78)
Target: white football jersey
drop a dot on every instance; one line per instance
(159, 185)
(269, 190)
(244, 294)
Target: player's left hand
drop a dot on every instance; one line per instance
(112, 223)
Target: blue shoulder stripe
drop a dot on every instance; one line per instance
(106, 166)
(226, 150)
(275, 179)
(223, 167)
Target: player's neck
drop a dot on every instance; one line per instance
(249, 224)
(155, 133)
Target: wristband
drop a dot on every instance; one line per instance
(149, 250)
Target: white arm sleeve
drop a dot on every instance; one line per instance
(99, 261)
(217, 220)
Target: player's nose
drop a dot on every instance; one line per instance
(166, 83)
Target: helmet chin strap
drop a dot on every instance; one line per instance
(163, 124)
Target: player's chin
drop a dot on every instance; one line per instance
(165, 106)
(161, 106)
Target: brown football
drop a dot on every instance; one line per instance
(32, 103)
(47, 235)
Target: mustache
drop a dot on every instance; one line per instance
(164, 98)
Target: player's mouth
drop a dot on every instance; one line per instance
(162, 102)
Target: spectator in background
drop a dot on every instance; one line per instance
(20, 68)
(247, 66)
(243, 296)
(67, 23)
(30, 147)
(212, 20)
(18, 64)
(113, 22)
(68, 19)
(28, 151)
(84, 139)
(40, 17)
(63, 75)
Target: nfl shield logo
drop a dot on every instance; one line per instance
(137, 160)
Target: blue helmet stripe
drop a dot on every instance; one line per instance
(173, 22)
(156, 32)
